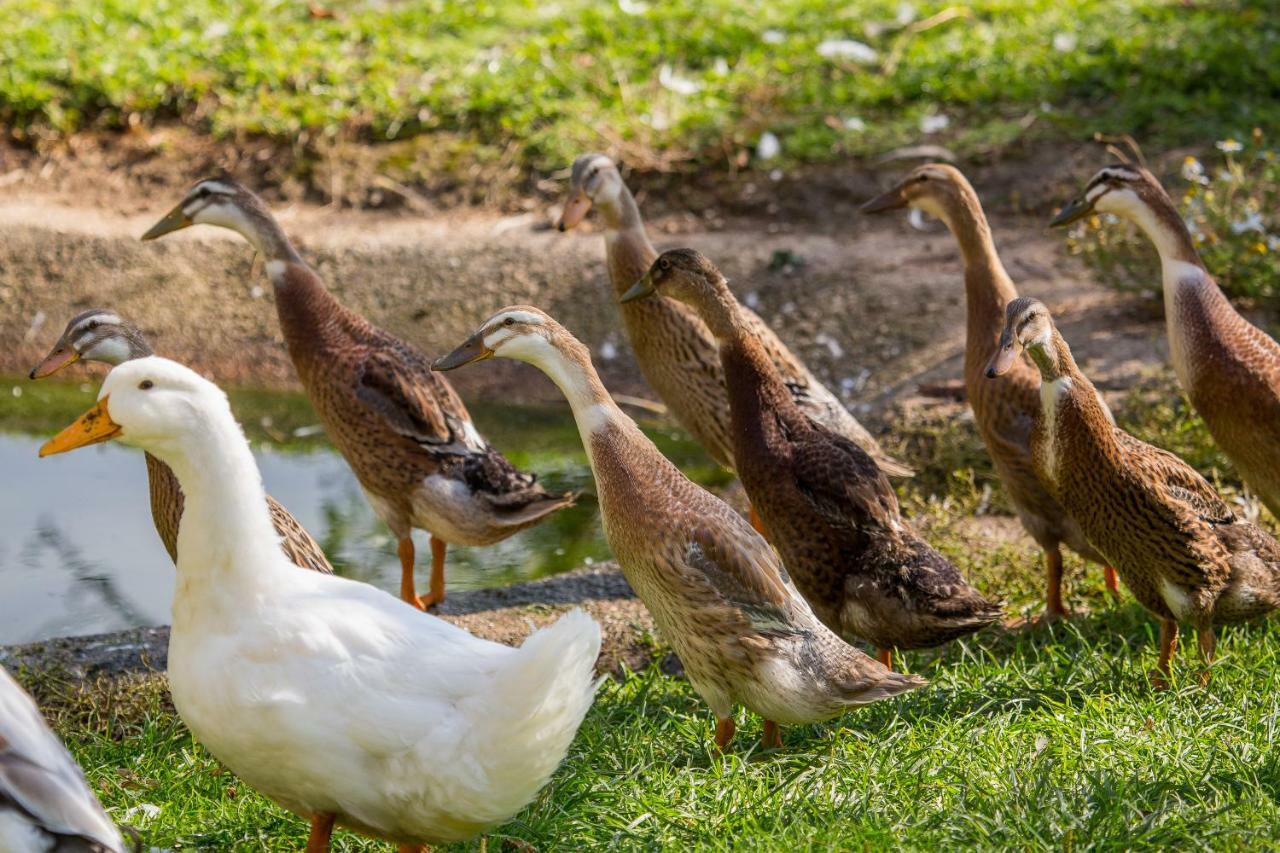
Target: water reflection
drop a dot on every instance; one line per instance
(78, 553)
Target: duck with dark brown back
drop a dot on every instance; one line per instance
(1003, 410)
(1176, 544)
(825, 505)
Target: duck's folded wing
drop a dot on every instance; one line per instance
(1176, 478)
(39, 776)
(397, 385)
(842, 482)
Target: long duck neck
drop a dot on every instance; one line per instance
(627, 247)
(1061, 380)
(568, 364)
(987, 285)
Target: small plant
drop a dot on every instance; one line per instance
(1231, 205)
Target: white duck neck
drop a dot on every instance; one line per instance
(593, 409)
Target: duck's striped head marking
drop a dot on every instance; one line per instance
(1027, 326)
(98, 335)
(1116, 189)
(594, 179)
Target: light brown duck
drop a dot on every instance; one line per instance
(1004, 409)
(1228, 367)
(826, 506)
(717, 591)
(402, 428)
(1177, 545)
(104, 336)
(673, 348)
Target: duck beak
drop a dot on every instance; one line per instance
(642, 288)
(174, 220)
(1073, 212)
(92, 427)
(894, 199)
(574, 209)
(472, 349)
(1004, 357)
(58, 358)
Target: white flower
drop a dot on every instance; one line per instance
(768, 147)
(854, 51)
(1251, 222)
(1193, 171)
(633, 7)
(773, 37)
(216, 30)
(854, 123)
(1273, 242)
(906, 14)
(721, 66)
(1064, 42)
(1225, 176)
(671, 81)
(934, 122)
(1229, 146)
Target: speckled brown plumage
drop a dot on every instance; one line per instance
(102, 335)
(826, 506)
(717, 591)
(1229, 368)
(676, 353)
(401, 427)
(1177, 546)
(1004, 409)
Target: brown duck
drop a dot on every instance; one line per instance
(1004, 409)
(104, 336)
(717, 591)
(826, 506)
(402, 428)
(1228, 367)
(673, 348)
(1177, 546)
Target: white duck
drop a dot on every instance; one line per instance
(45, 803)
(334, 699)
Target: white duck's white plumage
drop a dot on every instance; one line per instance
(328, 695)
(45, 803)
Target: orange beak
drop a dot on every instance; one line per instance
(92, 427)
(58, 358)
(574, 209)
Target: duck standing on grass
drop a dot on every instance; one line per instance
(1004, 409)
(675, 351)
(403, 429)
(45, 802)
(104, 336)
(1176, 544)
(716, 589)
(1227, 366)
(332, 698)
(828, 508)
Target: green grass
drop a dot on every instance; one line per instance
(533, 84)
(1046, 738)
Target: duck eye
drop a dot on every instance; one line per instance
(146, 385)
(510, 321)
(93, 324)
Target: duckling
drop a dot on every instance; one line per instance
(828, 509)
(336, 700)
(1228, 367)
(675, 351)
(104, 336)
(1004, 409)
(403, 429)
(45, 802)
(716, 589)
(1178, 547)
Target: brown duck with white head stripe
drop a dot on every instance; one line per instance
(1228, 367)
(676, 353)
(717, 591)
(1177, 545)
(826, 506)
(402, 428)
(1004, 409)
(104, 336)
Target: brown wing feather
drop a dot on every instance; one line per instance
(395, 381)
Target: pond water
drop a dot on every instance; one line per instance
(79, 555)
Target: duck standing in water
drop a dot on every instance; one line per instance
(829, 510)
(104, 336)
(1178, 547)
(403, 429)
(336, 700)
(716, 589)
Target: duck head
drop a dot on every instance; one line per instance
(934, 188)
(594, 179)
(94, 335)
(1027, 326)
(519, 332)
(1119, 189)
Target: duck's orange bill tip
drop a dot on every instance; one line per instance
(174, 220)
(471, 351)
(93, 427)
(574, 210)
(54, 361)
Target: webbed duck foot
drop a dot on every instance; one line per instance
(771, 738)
(1112, 580)
(725, 727)
(1159, 680)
